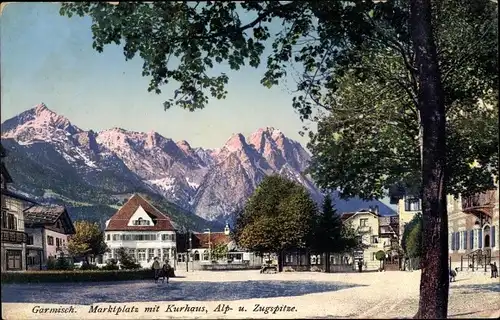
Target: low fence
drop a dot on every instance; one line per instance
(228, 266)
(339, 268)
(75, 276)
(342, 268)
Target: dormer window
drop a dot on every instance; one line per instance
(141, 222)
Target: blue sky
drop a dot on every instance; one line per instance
(48, 58)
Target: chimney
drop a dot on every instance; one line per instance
(226, 229)
(376, 209)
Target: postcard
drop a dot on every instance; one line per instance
(249, 160)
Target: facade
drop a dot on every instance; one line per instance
(407, 207)
(376, 233)
(473, 237)
(473, 227)
(13, 245)
(48, 229)
(202, 247)
(143, 231)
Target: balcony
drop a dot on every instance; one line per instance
(13, 236)
(364, 229)
(479, 203)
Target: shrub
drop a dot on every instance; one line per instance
(88, 266)
(111, 265)
(75, 276)
(126, 262)
(60, 263)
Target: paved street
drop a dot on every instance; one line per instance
(369, 295)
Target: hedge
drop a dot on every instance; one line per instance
(77, 276)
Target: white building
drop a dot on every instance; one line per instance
(375, 233)
(143, 231)
(48, 229)
(13, 244)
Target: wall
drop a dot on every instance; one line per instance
(369, 262)
(51, 250)
(154, 248)
(404, 216)
(15, 207)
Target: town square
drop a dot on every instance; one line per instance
(314, 295)
(250, 159)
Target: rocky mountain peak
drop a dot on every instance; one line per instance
(38, 124)
(184, 146)
(236, 142)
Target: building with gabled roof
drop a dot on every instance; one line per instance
(48, 229)
(376, 233)
(14, 237)
(143, 231)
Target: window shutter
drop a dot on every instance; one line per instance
(452, 241)
(465, 239)
(493, 236)
(471, 235)
(480, 238)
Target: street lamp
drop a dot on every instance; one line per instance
(209, 245)
(188, 239)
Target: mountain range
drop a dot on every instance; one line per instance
(53, 160)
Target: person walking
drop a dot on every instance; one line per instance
(166, 271)
(156, 269)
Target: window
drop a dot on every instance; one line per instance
(135, 237)
(151, 254)
(30, 240)
(32, 261)
(412, 204)
(58, 242)
(167, 237)
(4, 219)
(374, 239)
(108, 236)
(131, 253)
(14, 261)
(9, 221)
(141, 222)
(166, 255)
(50, 240)
(363, 222)
(141, 254)
(476, 239)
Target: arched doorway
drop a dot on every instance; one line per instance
(486, 235)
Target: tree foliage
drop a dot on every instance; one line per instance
(219, 251)
(370, 137)
(330, 234)
(412, 237)
(87, 241)
(279, 215)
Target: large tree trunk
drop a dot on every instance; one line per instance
(434, 282)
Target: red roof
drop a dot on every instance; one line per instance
(119, 221)
(216, 238)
